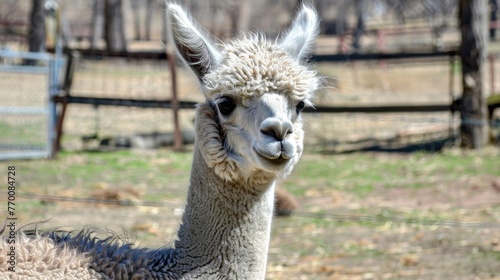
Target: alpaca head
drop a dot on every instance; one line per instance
(250, 126)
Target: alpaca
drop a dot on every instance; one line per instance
(284, 202)
(248, 135)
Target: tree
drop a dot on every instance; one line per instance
(437, 14)
(113, 26)
(97, 23)
(473, 50)
(239, 15)
(36, 36)
(493, 18)
(137, 7)
(341, 17)
(360, 6)
(149, 18)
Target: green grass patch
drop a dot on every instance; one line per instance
(160, 172)
(362, 173)
(21, 133)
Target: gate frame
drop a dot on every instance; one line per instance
(52, 70)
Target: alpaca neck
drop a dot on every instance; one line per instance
(226, 226)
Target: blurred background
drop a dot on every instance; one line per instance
(392, 70)
(401, 174)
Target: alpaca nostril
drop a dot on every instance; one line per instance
(276, 128)
(270, 132)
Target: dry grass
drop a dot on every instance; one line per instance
(360, 216)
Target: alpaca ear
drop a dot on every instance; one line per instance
(196, 50)
(298, 41)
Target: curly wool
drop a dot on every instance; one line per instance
(40, 258)
(228, 166)
(255, 66)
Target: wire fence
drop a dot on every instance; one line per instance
(27, 116)
(373, 219)
(347, 84)
(121, 78)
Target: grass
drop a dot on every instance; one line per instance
(85, 170)
(348, 222)
(363, 173)
(359, 174)
(23, 133)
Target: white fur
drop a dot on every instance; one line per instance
(40, 258)
(299, 40)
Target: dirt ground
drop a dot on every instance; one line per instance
(330, 247)
(446, 230)
(392, 248)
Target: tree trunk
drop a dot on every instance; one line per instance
(360, 25)
(473, 50)
(97, 23)
(36, 37)
(239, 15)
(149, 18)
(136, 15)
(340, 20)
(114, 33)
(164, 32)
(493, 18)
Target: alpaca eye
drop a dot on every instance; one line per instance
(300, 106)
(226, 106)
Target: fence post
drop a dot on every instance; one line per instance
(51, 114)
(473, 52)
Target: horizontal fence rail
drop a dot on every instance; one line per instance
(142, 103)
(161, 55)
(167, 104)
(380, 109)
(381, 56)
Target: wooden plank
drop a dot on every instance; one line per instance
(380, 109)
(123, 102)
(380, 56)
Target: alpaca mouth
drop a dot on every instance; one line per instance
(276, 159)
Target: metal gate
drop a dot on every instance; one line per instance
(27, 114)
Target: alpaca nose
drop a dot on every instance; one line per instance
(276, 128)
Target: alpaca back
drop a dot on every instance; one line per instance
(41, 258)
